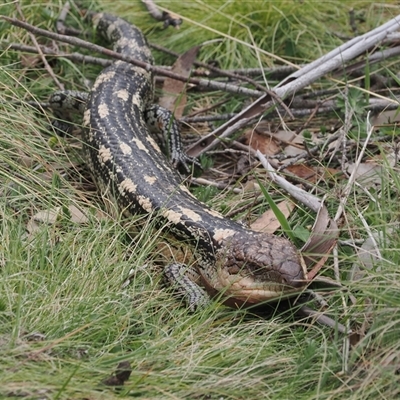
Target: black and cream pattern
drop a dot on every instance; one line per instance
(248, 267)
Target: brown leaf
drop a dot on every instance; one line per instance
(266, 144)
(174, 98)
(313, 174)
(267, 222)
(303, 171)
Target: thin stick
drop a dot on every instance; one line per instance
(207, 182)
(215, 70)
(300, 79)
(323, 319)
(299, 194)
(60, 24)
(50, 52)
(310, 152)
(148, 67)
(43, 58)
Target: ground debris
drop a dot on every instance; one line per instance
(121, 375)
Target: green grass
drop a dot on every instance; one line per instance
(66, 320)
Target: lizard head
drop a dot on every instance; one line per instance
(253, 267)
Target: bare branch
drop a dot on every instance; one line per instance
(300, 79)
(148, 67)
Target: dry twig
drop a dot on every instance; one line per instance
(148, 67)
(43, 58)
(298, 80)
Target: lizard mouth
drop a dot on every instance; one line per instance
(250, 290)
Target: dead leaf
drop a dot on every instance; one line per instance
(77, 215)
(174, 97)
(258, 141)
(32, 227)
(47, 216)
(288, 137)
(313, 174)
(51, 216)
(367, 174)
(267, 222)
(291, 142)
(251, 186)
(25, 160)
(303, 171)
(367, 256)
(321, 242)
(101, 215)
(386, 117)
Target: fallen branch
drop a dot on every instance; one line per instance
(298, 80)
(148, 67)
(310, 201)
(78, 57)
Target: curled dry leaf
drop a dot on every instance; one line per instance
(174, 97)
(258, 141)
(322, 239)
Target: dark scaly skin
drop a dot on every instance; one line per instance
(248, 267)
